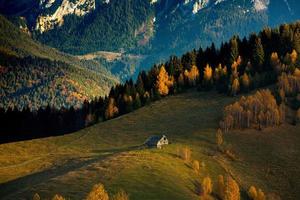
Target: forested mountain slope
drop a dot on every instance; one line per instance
(151, 30)
(35, 75)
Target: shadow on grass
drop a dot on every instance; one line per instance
(22, 184)
(196, 187)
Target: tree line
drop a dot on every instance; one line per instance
(239, 65)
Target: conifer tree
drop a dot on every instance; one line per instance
(258, 54)
(234, 51)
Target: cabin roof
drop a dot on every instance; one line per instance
(153, 140)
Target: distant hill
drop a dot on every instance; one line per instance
(35, 75)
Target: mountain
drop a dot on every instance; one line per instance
(138, 33)
(35, 75)
(150, 30)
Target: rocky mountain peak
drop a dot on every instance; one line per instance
(62, 8)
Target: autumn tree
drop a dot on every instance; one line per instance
(186, 154)
(207, 76)
(260, 109)
(164, 82)
(221, 187)
(219, 137)
(98, 193)
(232, 190)
(245, 82)
(196, 166)
(275, 62)
(36, 196)
(235, 87)
(111, 110)
(255, 194)
(192, 75)
(206, 186)
(252, 193)
(294, 56)
(297, 73)
(58, 197)
(260, 195)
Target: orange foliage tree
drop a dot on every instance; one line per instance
(111, 109)
(192, 75)
(232, 190)
(164, 82)
(259, 109)
(98, 193)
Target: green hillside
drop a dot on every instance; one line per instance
(36, 75)
(108, 153)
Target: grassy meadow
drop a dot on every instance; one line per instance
(110, 153)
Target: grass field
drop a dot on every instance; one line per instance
(109, 153)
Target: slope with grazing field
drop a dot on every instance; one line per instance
(110, 153)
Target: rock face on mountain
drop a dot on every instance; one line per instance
(47, 21)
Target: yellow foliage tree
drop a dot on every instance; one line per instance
(235, 87)
(111, 109)
(192, 75)
(234, 67)
(221, 187)
(232, 190)
(58, 197)
(208, 72)
(164, 82)
(260, 195)
(293, 56)
(186, 154)
(196, 166)
(121, 195)
(246, 81)
(252, 192)
(275, 62)
(256, 194)
(219, 137)
(297, 73)
(36, 196)
(206, 186)
(98, 193)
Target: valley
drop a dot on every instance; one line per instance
(109, 153)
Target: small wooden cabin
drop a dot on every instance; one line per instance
(157, 141)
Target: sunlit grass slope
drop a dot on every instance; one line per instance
(109, 153)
